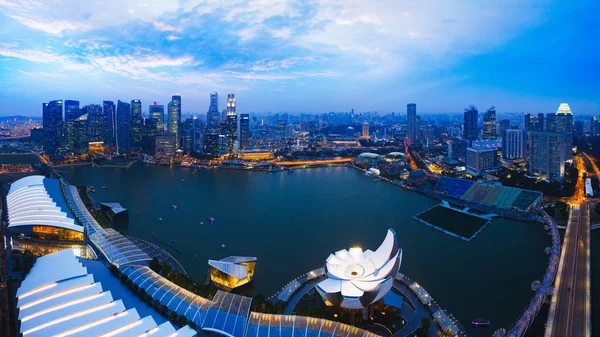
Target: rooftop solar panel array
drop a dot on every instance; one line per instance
(117, 249)
(491, 195)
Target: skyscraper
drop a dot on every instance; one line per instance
(244, 134)
(79, 135)
(174, 118)
(411, 117)
(594, 127)
(503, 124)
(149, 135)
(52, 121)
(95, 121)
(72, 112)
(489, 123)
(211, 144)
(108, 111)
(547, 155)
(137, 123)
(527, 123)
(232, 123)
(564, 123)
(123, 127)
(539, 125)
(165, 144)
(513, 144)
(157, 114)
(470, 131)
(458, 149)
(213, 124)
(365, 130)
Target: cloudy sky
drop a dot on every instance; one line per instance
(303, 56)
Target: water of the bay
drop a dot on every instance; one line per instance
(292, 222)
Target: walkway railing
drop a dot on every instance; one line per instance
(527, 317)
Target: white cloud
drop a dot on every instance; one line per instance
(165, 27)
(173, 38)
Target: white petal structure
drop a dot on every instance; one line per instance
(356, 279)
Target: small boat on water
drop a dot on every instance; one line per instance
(211, 219)
(174, 207)
(159, 219)
(481, 322)
(103, 187)
(201, 222)
(222, 245)
(183, 180)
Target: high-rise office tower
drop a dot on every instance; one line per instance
(564, 123)
(149, 135)
(458, 149)
(365, 130)
(213, 123)
(513, 144)
(211, 144)
(157, 114)
(192, 135)
(594, 127)
(489, 123)
(527, 123)
(108, 111)
(95, 121)
(470, 130)
(547, 155)
(123, 127)
(79, 135)
(166, 143)
(52, 121)
(232, 123)
(480, 159)
(411, 118)
(72, 112)
(578, 129)
(174, 118)
(539, 125)
(137, 123)
(281, 128)
(503, 124)
(244, 134)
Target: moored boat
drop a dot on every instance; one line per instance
(481, 322)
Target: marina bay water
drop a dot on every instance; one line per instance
(292, 222)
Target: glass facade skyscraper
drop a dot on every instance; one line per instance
(123, 127)
(108, 112)
(52, 121)
(470, 130)
(95, 123)
(547, 155)
(244, 134)
(513, 144)
(411, 117)
(72, 112)
(213, 123)
(174, 118)
(137, 123)
(157, 114)
(489, 123)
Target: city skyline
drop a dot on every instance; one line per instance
(512, 55)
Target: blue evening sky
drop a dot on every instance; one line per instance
(303, 56)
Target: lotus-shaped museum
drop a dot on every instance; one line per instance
(356, 279)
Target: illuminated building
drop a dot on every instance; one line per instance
(411, 117)
(165, 144)
(211, 144)
(137, 123)
(547, 155)
(192, 138)
(256, 155)
(95, 123)
(157, 114)
(96, 147)
(148, 135)
(231, 103)
(79, 133)
(513, 144)
(213, 124)
(564, 124)
(63, 296)
(357, 279)
(244, 134)
(470, 130)
(368, 158)
(222, 145)
(72, 112)
(365, 130)
(36, 136)
(458, 149)
(174, 118)
(108, 112)
(231, 272)
(52, 121)
(123, 127)
(489, 123)
(36, 208)
(280, 131)
(527, 122)
(481, 159)
(395, 157)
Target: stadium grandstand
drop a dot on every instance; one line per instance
(488, 194)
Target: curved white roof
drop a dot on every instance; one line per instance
(37, 200)
(361, 278)
(59, 298)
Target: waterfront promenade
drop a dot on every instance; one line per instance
(570, 310)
